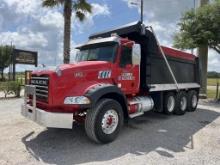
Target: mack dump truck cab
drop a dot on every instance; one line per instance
(118, 75)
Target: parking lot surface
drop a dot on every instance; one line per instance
(151, 139)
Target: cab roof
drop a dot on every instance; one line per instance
(99, 40)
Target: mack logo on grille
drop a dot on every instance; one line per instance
(39, 82)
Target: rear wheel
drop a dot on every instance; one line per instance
(104, 122)
(169, 103)
(181, 103)
(192, 98)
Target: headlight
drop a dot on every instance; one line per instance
(58, 71)
(77, 100)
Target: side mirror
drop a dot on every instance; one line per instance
(136, 54)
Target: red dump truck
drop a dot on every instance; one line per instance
(118, 74)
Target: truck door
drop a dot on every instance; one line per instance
(128, 78)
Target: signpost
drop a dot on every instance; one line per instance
(23, 57)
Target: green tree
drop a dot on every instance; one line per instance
(80, 8)
(200, 28)
(5, 58)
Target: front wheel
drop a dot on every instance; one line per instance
(104, 121)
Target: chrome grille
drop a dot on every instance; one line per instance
(42, 87)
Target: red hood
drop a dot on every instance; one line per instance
(74, 79)
(85, 65)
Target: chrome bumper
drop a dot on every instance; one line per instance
(47, 119)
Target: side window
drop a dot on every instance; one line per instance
(126, 56)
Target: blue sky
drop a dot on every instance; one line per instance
(31, 27)
(120, 14)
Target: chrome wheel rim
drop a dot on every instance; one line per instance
(110, 121)
(194, 101)
(183, 103)
(170, 104)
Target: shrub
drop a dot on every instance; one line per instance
(15, 87)
(5, 88)
(10, 87)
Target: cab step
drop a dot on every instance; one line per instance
(133, 115)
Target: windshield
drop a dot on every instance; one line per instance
(97, 52)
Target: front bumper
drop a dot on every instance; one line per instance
(47, 119)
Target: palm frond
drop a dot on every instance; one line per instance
(80, 15)
(83, 6)
(52, 3)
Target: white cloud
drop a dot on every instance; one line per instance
(1, 21)
(31, 39)
(163, 10)
(24, 6)
(97, 10)
(163, 16)
(214, 61)
(52, 19)
(164, 33)
(30, 26)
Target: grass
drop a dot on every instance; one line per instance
(211, 93)
(212, 81)
(20, 77)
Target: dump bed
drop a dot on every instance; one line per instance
(155, 75)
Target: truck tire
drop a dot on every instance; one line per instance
(181, 103)
(192, 98)
(169, 103)
(104, 121)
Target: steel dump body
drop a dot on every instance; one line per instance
(155, 75)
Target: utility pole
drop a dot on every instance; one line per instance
(203, 59)
(194, 9)
(194, 5)
(203, 2)
(142, 9)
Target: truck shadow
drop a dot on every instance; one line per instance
(151, 132)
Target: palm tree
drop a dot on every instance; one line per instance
(80, 7)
